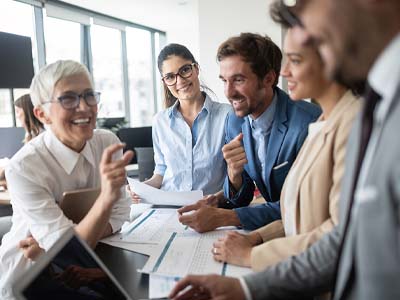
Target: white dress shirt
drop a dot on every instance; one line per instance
(37, 176)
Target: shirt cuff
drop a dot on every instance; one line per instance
(245, 289)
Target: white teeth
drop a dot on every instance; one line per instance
(81, 121)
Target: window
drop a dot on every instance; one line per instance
(64, 31)
(62, 39)
(107, 70)
(140, 72)
(21, 25)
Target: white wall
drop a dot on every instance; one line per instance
(201, 25)
(219, 20)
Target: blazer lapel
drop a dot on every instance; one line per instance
(320, 141)
(277, 135)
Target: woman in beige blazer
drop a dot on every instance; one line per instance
(309, 198)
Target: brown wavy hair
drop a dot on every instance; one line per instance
(32, 125)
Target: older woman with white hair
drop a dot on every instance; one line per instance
(70, 155)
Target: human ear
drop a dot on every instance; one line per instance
(41, 114)
(269, 78)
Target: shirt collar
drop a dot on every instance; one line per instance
(65, 156)
(173, 110)
(385, 72)
(265, 120)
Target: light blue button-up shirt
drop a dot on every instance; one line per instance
(191, 159)
(260, 131)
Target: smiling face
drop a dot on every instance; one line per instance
(72, 127)
(184, 88)
(303, 68)
(244, 90)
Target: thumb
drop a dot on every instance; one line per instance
(239, 137)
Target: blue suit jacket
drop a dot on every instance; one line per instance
(288, 132)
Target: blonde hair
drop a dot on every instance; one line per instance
(42, 86)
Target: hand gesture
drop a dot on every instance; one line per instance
(235, 158)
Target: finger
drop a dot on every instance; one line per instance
(189, 208)
(109, 151)
(190, 280)
(186, 220)
(239, 137)
(127, 157)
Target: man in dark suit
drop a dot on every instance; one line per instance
(263, 133)
(360, 259)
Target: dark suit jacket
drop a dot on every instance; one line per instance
(289, 130)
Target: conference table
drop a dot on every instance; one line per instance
(123, 264)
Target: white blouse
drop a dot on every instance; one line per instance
(37, 176)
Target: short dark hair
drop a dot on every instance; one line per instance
(259, 51)
(165, 53)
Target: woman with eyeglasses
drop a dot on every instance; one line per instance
(69, 155)
(189, 134)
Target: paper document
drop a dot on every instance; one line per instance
(146, 249)
(189, 252)
(150, 227)
(161, 286)
(148, 194)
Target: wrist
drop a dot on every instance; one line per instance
(228, 217)
(255, 238)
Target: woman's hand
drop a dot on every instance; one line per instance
(30, 248)
(134, 197)
(234, 248)
(112, 173)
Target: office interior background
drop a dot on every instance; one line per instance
(119, 40)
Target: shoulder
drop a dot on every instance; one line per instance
(103, 138)
(348, 112)
(30, 157)
(299, 109)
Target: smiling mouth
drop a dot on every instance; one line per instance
(81, 121)
(185, 88)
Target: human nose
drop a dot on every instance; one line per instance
(285, 72)
(82, 105)
(229, 90)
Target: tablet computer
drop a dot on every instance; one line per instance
(76, 204)
(69, 270)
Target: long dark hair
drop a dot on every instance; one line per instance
(32, 125)
(166, 52)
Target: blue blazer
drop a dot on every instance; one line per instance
(288, 132)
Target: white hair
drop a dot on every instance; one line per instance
(42, 86)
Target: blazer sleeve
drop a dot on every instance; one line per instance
(299, 277)
(238, 198)
(253, 217)
(274, 251)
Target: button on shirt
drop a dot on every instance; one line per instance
(260, 131)
(191, 159)
(37, 176)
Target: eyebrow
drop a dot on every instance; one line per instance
(290, 54)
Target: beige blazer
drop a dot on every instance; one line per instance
(320, 174)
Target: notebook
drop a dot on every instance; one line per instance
(69, 270)
(76, 204)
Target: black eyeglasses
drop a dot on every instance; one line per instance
(185, 72)
(72, 100)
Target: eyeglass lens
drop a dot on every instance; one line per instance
(71, 101)
(185, 72)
